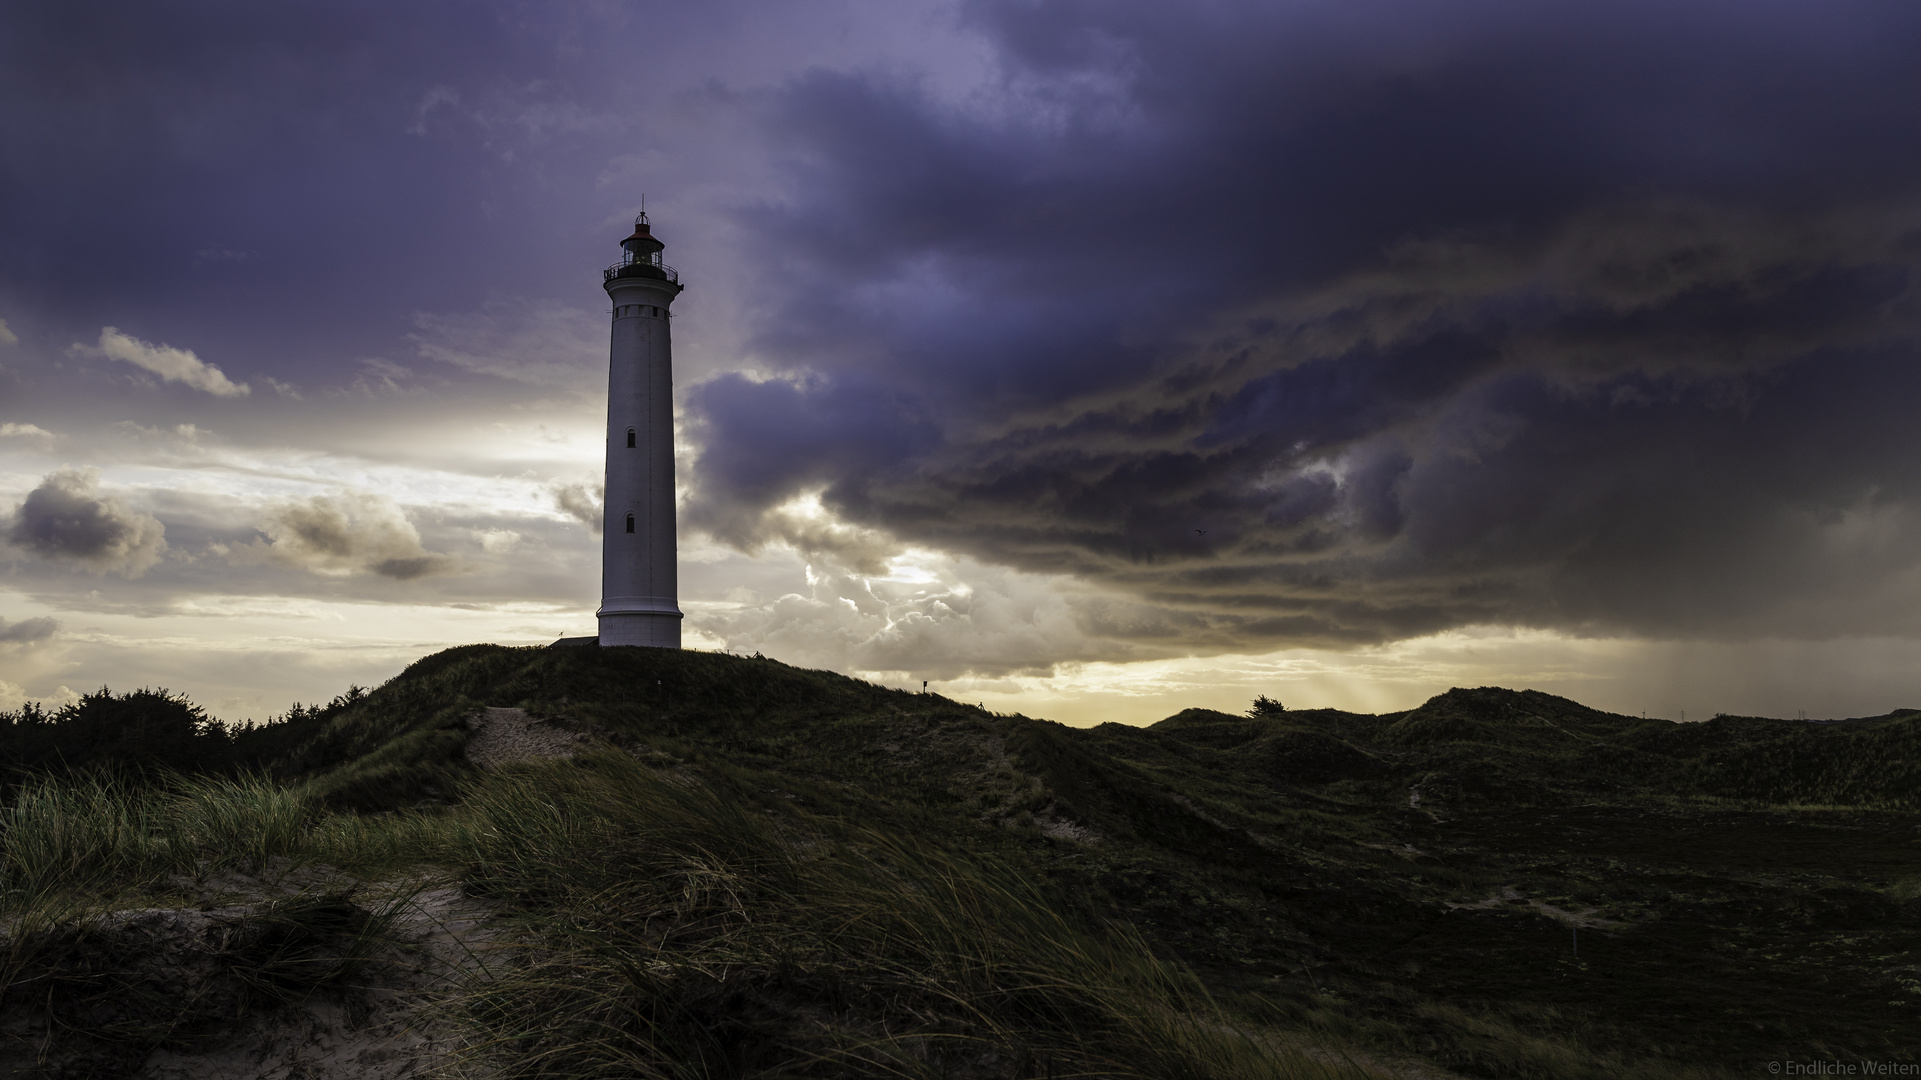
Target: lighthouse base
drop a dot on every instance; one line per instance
(655, 631)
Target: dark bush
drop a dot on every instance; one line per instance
(148, 733)
(1265, 707)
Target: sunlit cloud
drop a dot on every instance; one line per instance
(349, 533)
(497, 541)
(915, 613)
(32, 434)
(171, 364)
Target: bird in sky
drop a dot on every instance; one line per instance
(1202, 532)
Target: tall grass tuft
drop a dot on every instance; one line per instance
(678, 933)
(96, 839)
(76, 837)
(671, 928)
(243, 822)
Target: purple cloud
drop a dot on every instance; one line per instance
(1340, 326)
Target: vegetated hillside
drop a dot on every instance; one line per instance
(1421, 879)
(1501, 883)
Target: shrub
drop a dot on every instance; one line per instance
(1265, 707)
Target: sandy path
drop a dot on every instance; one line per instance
(503, 735)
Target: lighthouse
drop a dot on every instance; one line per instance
(639, 602)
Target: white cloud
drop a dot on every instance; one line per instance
(497, 541)
(814, 532)
(179, 434)
(171, 364)
(927, 616)
(30, 432)
(382, 376)
(7, 336)
(342, 535)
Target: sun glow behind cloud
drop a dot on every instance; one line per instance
(820, 593)
(975, 632)
(943, 609)
(1669, 680)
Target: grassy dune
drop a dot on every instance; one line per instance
(776, 872)
(669, 929)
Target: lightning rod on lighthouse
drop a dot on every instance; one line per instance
(639, 601)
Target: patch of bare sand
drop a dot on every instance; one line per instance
(393, 1023)
(502, 735)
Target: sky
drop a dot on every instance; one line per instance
(1092, 360)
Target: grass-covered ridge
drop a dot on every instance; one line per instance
(773, 871)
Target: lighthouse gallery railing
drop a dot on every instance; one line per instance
(662, 272)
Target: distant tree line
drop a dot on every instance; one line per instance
(148, 734)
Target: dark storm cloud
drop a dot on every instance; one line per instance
(26, 631)
(783, 436)
(293, 184)
(67, 518)
(1349, 323)
(581, 502)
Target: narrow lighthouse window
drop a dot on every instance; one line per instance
(630, 446)
(630, 523)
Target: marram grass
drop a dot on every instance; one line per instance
(73, 839)
(93, 840)
(682, 934)
(666, 929)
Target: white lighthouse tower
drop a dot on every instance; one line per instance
(638, 586)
